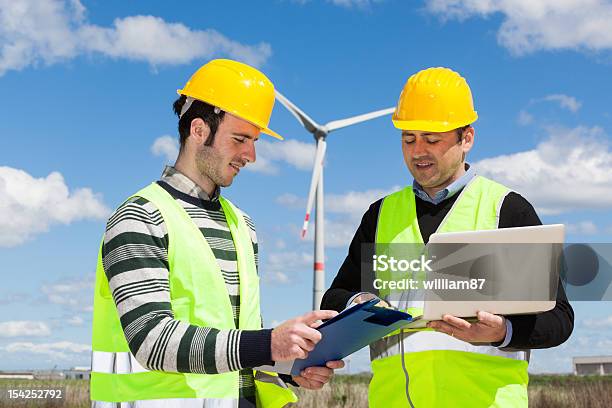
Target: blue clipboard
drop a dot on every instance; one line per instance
(351, 330)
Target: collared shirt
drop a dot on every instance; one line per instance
(185, 185)
(447, 192)
(440, 196)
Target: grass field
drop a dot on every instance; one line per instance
(351, 391)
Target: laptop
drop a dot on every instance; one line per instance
(524, 271)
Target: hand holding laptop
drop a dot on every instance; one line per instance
(489, 328)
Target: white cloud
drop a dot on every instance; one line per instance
(72, 294)
(75, 321)
(166, 146)
(354, 3)
(349, 208)
(36, 31)
(360, 4)
(604, 344)
(281, 267)
(153, 40)
(276, 276)
(50, 31)
(9, 298)
(565, 101)
(338, 233)
(563, 173)
(524, 118)
(604, 323)
(291, 200)
(352, 203)
(24, 328)
(29, 206)
(293, 152)
(532, 25)
(355, 203)
(63, 350)
(582, 228)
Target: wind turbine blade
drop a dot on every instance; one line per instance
(316, 173)
(338, 124)
(302, 117)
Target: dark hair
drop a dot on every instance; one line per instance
(198, 109)
(460, 132)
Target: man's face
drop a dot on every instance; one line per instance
(232, 149)
(435, 158)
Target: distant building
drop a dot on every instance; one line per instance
(600, 365)
(18, 375)
(48, 375)
(77, 373)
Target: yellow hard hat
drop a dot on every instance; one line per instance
(435, 100)
(236, 88)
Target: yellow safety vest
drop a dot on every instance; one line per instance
(198, 296)
(427, 369)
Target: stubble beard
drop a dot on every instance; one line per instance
(442, 178)
(208, 164)
(448, 175)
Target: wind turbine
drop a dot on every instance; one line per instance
(320, 133)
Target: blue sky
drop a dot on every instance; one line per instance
(86, 120)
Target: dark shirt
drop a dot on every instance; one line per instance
(543, 330)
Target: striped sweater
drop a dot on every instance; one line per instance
(135, 259)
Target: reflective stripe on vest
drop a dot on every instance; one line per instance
(414, 342)
(430, 369)
(125, 363)
(118, 377)
(171, 403)
(115, 363)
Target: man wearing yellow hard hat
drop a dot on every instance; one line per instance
(456, 363)
(176, 320)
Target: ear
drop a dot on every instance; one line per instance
(468, 139)
(199, 131)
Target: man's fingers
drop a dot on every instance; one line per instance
(322, 371)
(315, 315)
(456, 322)
(304, 344)
(317, 377)
(335, 364)
(308, 333)
(490, 320)
(444, 327)
(384, 304)
(298, 352)
(315, 324)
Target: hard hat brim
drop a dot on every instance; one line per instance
(272, 133)
(431, 126)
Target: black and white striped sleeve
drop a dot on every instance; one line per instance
(135, 260)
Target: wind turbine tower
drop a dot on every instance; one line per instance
(320, 133)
